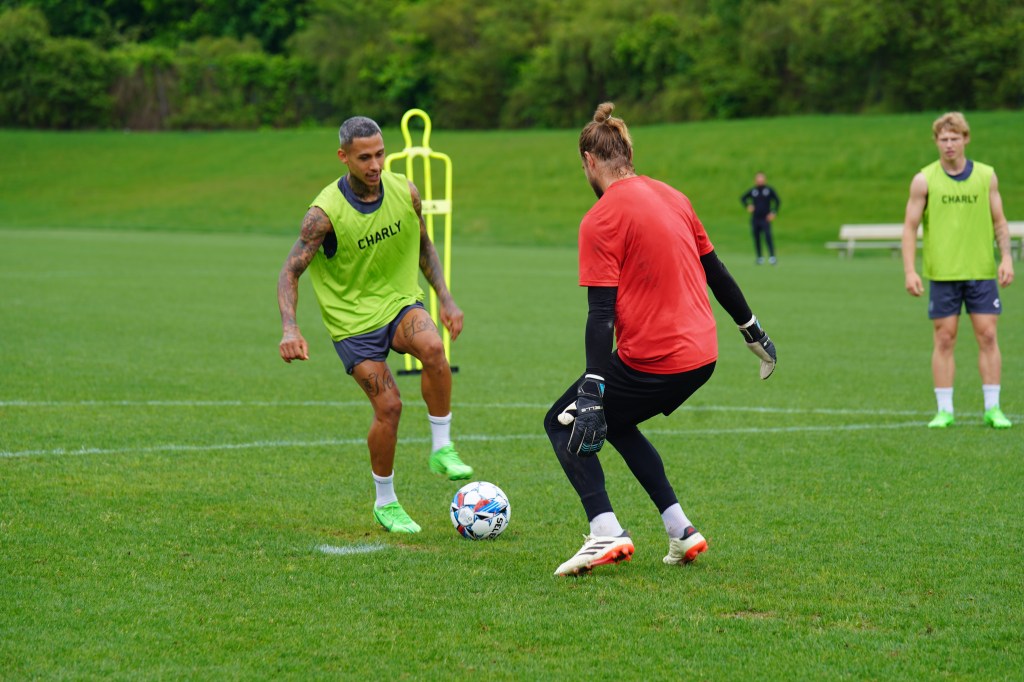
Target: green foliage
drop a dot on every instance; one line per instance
(74, 75)
(530, 63)
(225, 83)
(673, 60)
(23, 36)
(87, 19)
(346, 44)
(271, 22)
(145, 88)
(170, 22)
(50, 82)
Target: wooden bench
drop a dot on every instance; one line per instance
(890, 236)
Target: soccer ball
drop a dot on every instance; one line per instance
(480, 511)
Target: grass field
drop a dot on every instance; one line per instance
(520, 187)
(176, 502)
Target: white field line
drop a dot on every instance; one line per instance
(539, 435)
(363, 548)
(363, 403)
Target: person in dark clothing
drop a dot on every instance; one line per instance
(762, 203)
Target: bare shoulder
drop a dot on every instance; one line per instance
(919, 185)
(417, 203)
(315, 225)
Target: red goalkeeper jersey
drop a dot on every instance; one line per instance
(643, 237)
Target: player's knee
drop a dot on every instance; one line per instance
(987, 339)
(945, 339)
(557, 433)
(388, 410)
(432, 356)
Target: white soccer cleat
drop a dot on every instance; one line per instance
(685, 549)
(598, 550)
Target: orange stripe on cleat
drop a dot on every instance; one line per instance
(695, 550)
(615, 556)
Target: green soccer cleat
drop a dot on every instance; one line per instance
(996, 419)
(446, 461)
(941, 420)
(394, 519)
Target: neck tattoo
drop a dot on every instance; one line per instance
(363, 191)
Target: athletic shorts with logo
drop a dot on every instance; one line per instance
(977, 296)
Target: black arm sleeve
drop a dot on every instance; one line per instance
(726, 290)
(600, 330)
(777, 201)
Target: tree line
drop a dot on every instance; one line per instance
(202, 64)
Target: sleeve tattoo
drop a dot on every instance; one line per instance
(315, 225)
(430, 263)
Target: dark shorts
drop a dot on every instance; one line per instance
(945, 299)
(632, 397)
(373, 345)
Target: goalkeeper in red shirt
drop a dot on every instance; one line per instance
(647, 264)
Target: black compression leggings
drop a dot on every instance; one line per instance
(624, 412)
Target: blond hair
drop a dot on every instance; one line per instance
(607, 137)
(952, 120)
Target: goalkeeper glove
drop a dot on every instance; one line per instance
(760, 345)
(568, 415)
(589, 428)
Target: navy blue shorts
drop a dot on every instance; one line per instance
(945, 299)
(373, 345)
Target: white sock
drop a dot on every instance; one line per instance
(944, 397)
(605, 525)
(991, 393)
(440, 431)
(385, 489)
(675, 521)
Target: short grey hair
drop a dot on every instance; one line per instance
(357, 126)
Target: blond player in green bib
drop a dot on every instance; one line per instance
(956, 202)
(364, 243)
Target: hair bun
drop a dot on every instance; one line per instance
(603, 112)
